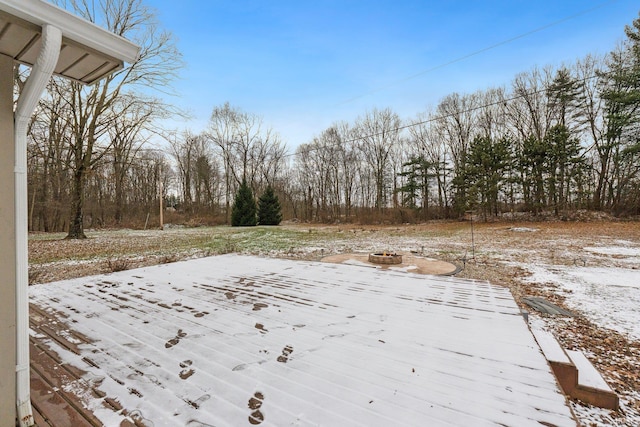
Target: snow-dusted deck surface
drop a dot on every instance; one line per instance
(235, 340)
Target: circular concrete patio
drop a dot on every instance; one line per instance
(410, 263)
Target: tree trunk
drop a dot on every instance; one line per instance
(600, 186)
(76, 226)
(119, 189)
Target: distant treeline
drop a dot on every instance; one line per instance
(555, 141)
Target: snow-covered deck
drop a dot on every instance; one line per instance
(236, 340)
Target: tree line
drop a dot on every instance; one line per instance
(554, 141)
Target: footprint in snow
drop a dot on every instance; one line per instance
(175, 340)
(186, 371)
(255, 403)
(284, 358)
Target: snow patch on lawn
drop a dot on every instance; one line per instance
(524, 229)
(597, 417)
(610, 297)
(615, 250)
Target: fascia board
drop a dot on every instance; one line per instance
(73, 28)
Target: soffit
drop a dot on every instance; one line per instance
(88, 52)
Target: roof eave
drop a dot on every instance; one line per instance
(73, 28)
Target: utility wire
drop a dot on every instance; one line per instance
(503, 101)
(477, 52)
(459, 59)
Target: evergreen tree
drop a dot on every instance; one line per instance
(531, 163)
(564, 164)
(269, 212)
(620, 92)
(564, 97)
(243, 212)
(416, 173)
(485, 172)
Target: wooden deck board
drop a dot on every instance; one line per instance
(39, 418)
(53, 408)
(52, 405)
(326, 341)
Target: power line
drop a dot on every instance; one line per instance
(462, 58)
(477, 52)
(503, 101)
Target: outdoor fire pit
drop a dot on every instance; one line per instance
(385, 258)
(409, 262)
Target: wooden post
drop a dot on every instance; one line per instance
(161, 206)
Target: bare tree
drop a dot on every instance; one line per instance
(531, 113)
(530, 117)
(49, 159)
(127, 134)
(378, 133)
(91, 106)
(307, 179)
(429, 145)
(149, 178)
(491, 115)
(249, 152)
(349, 164)
(186, 149)
(222, 130)
(456, 122)
(269, 159)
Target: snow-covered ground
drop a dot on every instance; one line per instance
(592, 269)
(602, 284)
(608, 296)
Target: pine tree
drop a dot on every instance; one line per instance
(269, 212)
(617, 152)
(485, 172)
(243, 212)
(416, 187)
(564, 97)
(564, 161)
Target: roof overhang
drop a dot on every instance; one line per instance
(88, 52)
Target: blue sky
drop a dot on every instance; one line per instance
(303, 65)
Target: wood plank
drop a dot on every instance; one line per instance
(48, 378)
(38, 418)
(52, 407)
